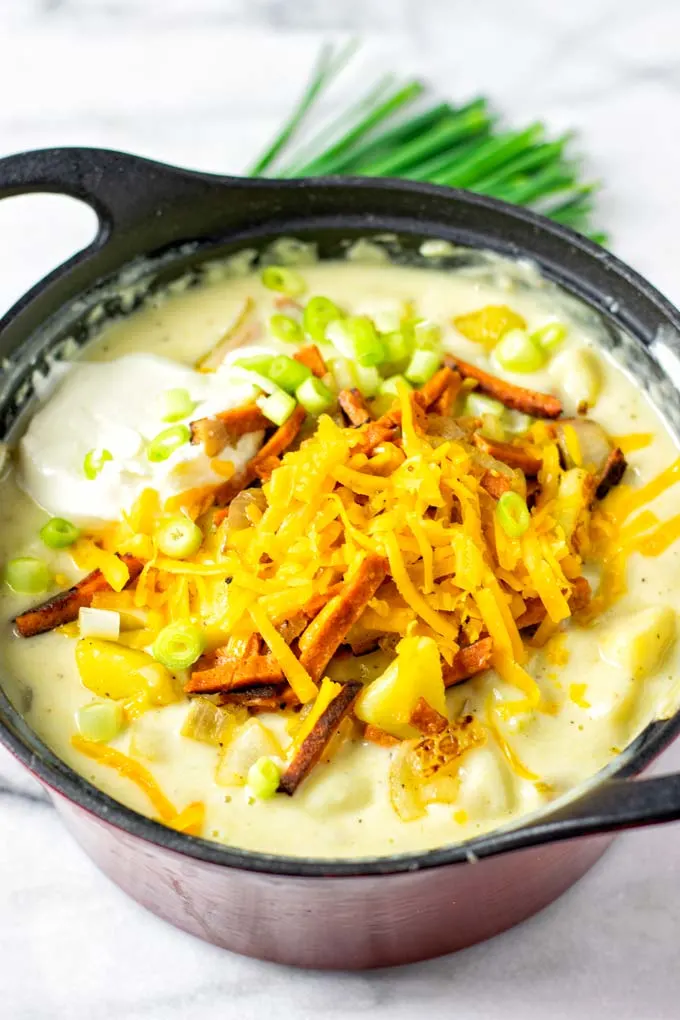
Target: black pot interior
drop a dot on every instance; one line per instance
(213, 219)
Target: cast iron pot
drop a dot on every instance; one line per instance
(160, 222)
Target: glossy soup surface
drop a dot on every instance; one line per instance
(600, 699)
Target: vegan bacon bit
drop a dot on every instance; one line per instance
(427, 719)
(64, 607)
(612, 473)
(443, 405)
(468, 661)
(311, 358)
(354, 407)
(218, 430)
(328, 630)
(538, 405)
(377, 736)
(316, 742)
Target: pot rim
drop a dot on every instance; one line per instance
(529, 830)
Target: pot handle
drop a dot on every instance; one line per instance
(118, 186)
(610, 806)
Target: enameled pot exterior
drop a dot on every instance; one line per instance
(335, 923)
(315, 913)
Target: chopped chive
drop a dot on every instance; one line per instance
(399, 98)
(491, 154)
(314, 396)
(447, 132)
(283, 281)
(178, 645)
(287, 373)
(535, 158)
(362, 155)
(326, 68)
(278, 406)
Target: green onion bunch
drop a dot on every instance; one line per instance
(395, 130)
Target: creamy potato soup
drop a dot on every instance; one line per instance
(377, 558)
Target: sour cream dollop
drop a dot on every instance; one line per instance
(118, 406)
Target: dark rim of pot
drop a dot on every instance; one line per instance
(528, 831)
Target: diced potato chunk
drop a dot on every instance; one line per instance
(251, 742)
(574, 495)
(579, 375)
(487, 325)
(415, 673)
(640, 642)
(111, 670)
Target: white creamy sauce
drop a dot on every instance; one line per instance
(343, 809)
(118, 407)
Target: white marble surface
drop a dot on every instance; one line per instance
(204, 83)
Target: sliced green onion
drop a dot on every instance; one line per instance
(94, 462)
(314, 396)
(368, 380)
(368, 348)
(493, 427)
(427, 335)
(27, 575)
(176, 404)
(513, 514)
(59, 533)
(288, 373)
(398, 345)
(549, 336)
(387, 320)
(263, 778)
(178, 645)
(179, 537)
(99, 623)
(278, 406)
(286, 329)
(478, 405)
(257, 363)
(344, 375)
(167, 441)
(100, 721)
(284, 281)
(390, 387)
(318, 314)
(422, 366)
(518, 423)
(517, 352)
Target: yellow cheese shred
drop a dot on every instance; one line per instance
(295, 673)
(131, 770)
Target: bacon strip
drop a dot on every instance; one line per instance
(535, 612)
(540, 405)
(265, 698)
(473, 659)
(434, 388)
(274, 447)
(216, 671)
(612, 473)
(354, 407)
(495, 483)
(316, 742)
(513, 456)
(311, 357)
(64, 607)
(427, 719)
(327, 631)
(217, 430)
(443, 405)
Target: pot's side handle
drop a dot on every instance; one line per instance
(120, 187)
(610, 806)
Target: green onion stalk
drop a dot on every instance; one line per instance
(390, 132)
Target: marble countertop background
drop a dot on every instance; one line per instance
(204, 83)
